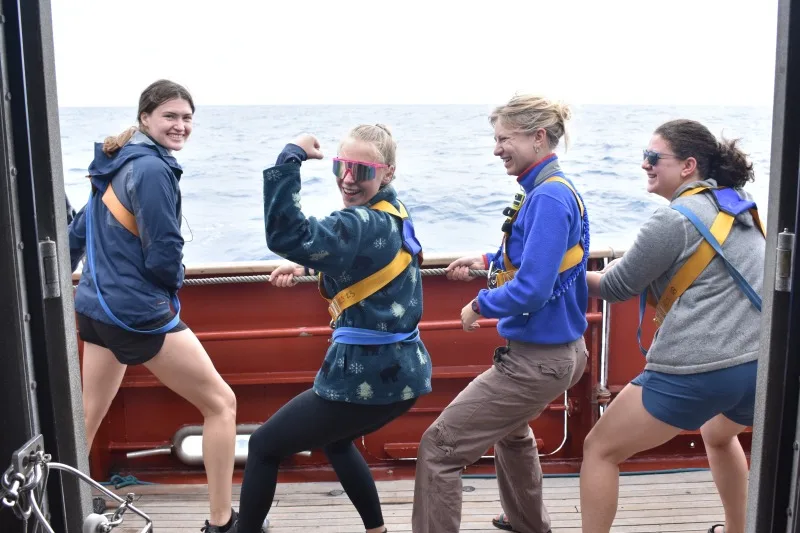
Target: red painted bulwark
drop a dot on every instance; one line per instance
(268, 344)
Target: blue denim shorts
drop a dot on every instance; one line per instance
(688, 401)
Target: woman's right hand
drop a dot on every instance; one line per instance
(610, 265)
(459, 269)
(283, 276)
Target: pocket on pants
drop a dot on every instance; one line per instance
(556, 369)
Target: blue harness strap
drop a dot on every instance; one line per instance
(642, 307)
(751, 294)
(346, 335)
(732, 204)
(410, 241)
(90, 261)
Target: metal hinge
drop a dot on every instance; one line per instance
(783, 265)
(48, 255)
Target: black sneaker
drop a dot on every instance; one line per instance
(208, 528)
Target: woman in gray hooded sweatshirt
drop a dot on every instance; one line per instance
(701, 366)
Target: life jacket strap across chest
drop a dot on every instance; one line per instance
(368, 286)
(572, 257)
(730, 205)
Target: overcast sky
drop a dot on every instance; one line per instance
(411, 52)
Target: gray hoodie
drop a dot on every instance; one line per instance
(712, 325)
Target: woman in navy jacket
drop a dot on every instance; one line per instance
(130, 234)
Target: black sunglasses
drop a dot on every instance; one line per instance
(653, 157)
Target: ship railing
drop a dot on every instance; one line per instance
(24, 484)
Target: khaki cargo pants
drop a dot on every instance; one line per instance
(495, 409)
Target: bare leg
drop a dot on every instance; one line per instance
(102, 375)
(728, 468)
(625, 429)
(184, 366)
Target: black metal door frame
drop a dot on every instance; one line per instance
(40, 387)
(772, 501)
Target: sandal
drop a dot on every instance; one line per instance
(713, 529)
(501, 523)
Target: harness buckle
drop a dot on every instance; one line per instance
(334, 309)
(491, 276)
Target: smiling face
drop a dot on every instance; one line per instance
(667, 173)
(170, 124)
(356, 192)
(517, 150)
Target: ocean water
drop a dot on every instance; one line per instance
(447, 176)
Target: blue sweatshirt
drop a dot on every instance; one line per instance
(347, 246)
(539, 305)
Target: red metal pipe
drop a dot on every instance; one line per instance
(301, 376)
(325, 331)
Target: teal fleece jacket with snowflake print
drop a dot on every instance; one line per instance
(347, 246)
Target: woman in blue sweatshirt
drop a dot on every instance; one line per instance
(538, 292)
(130, 234)
(376, 366)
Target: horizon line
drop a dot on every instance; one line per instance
(433, 104)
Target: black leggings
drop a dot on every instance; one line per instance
(305, 422)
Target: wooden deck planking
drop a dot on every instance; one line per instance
(674, 502)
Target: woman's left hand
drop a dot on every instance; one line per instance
(310, 145)
(283, 275)
(469, 318)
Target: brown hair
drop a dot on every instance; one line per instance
(722, 161)
(153, 96)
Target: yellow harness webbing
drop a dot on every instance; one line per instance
(698, 261)
(572, 257)
(119, 212)
(373, 283)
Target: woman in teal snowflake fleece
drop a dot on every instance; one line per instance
(376, 366)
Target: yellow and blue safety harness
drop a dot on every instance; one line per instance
(572, 258)
(368, 286)
(730, 205)
(128, 221)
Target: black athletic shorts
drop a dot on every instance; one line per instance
(128, 347)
